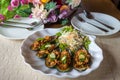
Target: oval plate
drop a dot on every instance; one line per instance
(39, 64)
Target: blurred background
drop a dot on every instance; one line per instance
(117, 3)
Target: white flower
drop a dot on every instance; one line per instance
(74, 3)
(39, 12)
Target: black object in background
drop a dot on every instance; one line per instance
(119, 5)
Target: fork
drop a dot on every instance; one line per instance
(28, 28)
(31, 24)
(82, 20)
(90, 16)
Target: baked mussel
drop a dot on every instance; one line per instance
(37, 43)
(43, 46)
(81, 60)
(52, 59)
(41, 42)
(64, 63)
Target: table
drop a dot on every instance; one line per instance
(13, 67)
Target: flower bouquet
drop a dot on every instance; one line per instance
(48, 11)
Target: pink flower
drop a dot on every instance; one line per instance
(14, 3)
(2, 17)
(24, 2)
(30, 16)
(10, 8)
(16, 16)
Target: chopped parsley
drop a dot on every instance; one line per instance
(52, 56)
(63, 59)
(40, 39)
(63, 46)
(44, 46)
(67, 29)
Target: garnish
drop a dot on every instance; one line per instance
(63, 46)
(39, 39)
(86, 42)
(58, 34)
(44, 46)
(63, 59)
(81, 56)
(52, 56)
(67, 29)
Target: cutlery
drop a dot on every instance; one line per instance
(30, 24)
(9, 25)
(82, 20)
(90, 16)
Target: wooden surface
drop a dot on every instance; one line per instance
(12, 66)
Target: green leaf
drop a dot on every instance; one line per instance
(24, 11)
(64, 21)
(68, 1)
(63, 46)
(23, 7)
(39, 39)
(4, 9)
(58, 34)
(67, 29)
(86, 42)
(50, 5)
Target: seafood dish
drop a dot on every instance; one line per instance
(66, 50)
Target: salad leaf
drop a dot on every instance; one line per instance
(58, 34)
(86, 42)
(63, 46)
(67, 29)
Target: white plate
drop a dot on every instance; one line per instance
(19, 33)
(89, 29)
(39, 64)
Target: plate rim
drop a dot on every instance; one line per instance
(20, 38)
